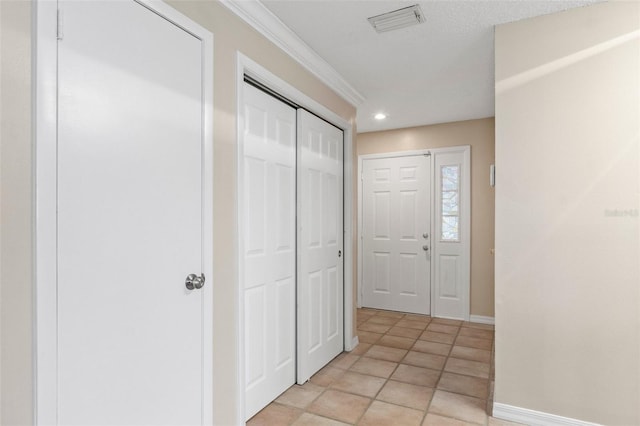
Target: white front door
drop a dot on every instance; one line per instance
(396, 240)
(268, 215)
(130, 215)
(320, 244)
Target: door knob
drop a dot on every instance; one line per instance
(425, 248)
(425, 235)
(194, 281)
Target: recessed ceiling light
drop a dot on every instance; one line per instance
(380, 116)
(397, 19)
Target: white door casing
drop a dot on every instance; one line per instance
(396, 223)
(452, 243)
(320, 244)
(269, 245)
(124, 214)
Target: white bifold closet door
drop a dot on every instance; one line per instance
(269, 245)
(292, 163)
(320, 244)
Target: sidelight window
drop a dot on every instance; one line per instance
(450, 203)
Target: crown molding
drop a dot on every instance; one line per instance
(270, 26)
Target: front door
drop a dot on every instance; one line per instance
(130, 202)
(396, 239)
(320, 244)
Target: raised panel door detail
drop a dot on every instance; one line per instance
(256, 122)
(381, 267)
(255, 304)
(395, 218)
(255, 176)
(381, 214)
(320, 242)
(269, 246)
(408, 274)
(285, 237)
(331, 205)
(333, 145)
(315, 216)
(408, 219)
(382, 175)
(285, 133)
(285, 323)
(333, 309)
(448, 283)
(408, 174)
(315, 313)
(314, 142)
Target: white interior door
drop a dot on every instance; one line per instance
(452, 234)
(320, 244)
(396, 236)
(130, 197)
(269, 247)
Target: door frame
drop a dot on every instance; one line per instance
(247, 66)
(44, 118)
(466, 211)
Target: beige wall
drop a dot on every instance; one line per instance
(231, 35)
(15, 214)
(479, 134)
(567, 268)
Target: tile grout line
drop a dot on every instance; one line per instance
(385, 381)
(360, 356)
(459, 327)
(435, 388)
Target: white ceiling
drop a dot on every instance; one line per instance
(439, 71)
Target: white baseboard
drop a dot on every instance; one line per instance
(482, 320)
(534, 418)
(354, 343)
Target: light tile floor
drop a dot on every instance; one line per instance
(407, 370)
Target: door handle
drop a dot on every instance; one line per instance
(194, 281)
(425, 248)
(339, 253)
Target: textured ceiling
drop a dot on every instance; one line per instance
(435, 72)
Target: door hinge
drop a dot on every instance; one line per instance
(59, 32)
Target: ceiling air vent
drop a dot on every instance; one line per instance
(397, 19)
